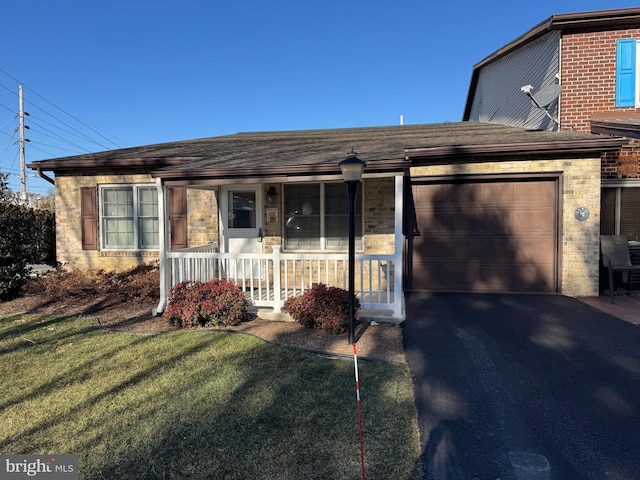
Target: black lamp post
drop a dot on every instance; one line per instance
(352, 168)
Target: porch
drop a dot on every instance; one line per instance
(268, 279)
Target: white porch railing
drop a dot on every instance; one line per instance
(269, 279)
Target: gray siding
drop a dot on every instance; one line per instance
(498, 98)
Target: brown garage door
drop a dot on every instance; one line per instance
(484, 236)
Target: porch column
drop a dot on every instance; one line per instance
(163, 231)
(398, 293)
(277, 279)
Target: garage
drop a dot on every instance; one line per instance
(483, 235)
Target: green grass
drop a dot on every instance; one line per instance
(198, 405)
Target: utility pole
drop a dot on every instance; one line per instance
(23, 175)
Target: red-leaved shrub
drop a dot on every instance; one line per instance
(322, 307)
(206, 304)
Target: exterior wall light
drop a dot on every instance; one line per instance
(272, 195)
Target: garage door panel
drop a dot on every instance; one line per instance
(468, 221)
(536, 249)
(485, 236)
(534, 192)
(532, 219)
(492, 193)
(485, 277)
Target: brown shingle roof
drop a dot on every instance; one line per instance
(302, 152)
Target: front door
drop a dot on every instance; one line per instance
(242, 226)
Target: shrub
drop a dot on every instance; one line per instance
(15, 244)
(213, 303)
(14, 273)
(26, 236)
(141, 282)
(322, 307)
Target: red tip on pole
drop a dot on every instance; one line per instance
(355, 363)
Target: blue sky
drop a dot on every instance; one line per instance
(114, 74)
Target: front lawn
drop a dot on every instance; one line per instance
(207, 405)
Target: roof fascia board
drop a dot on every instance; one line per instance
(130, 163)
(611, 18)
(211, 182)
(615, 128)
(530, 35)
(265, 172)
(521, 149)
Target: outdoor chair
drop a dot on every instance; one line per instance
(616, 258)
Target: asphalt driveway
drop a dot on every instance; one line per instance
(524, 387)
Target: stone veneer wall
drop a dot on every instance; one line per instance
(579, 241)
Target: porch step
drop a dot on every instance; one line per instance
(267, 313)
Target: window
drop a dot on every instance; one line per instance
(242, 209)
(129, 217)
(627, 73)
(317, 217)
(620, 211)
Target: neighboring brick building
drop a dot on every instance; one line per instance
(595, 58)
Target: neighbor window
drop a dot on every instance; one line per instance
(620, 210)
(129, 217)
(317, 217)
(627, 73)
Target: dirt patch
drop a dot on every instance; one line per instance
(380, 342)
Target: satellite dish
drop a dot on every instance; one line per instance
(546, 95)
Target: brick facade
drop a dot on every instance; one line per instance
(588, 77)
(379, 214)
(68, 225)
(202, 222)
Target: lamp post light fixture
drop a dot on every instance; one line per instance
(352, 168)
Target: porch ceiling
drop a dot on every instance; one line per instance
(317, 152)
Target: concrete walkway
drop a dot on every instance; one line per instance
(626, 307)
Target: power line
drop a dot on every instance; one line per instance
(71, 128)
(67, 125)
(53, 135)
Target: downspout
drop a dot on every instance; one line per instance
(46, 177)
(162, 248)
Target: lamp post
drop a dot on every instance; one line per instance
(352, 168)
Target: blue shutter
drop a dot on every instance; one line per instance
(626, 73)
